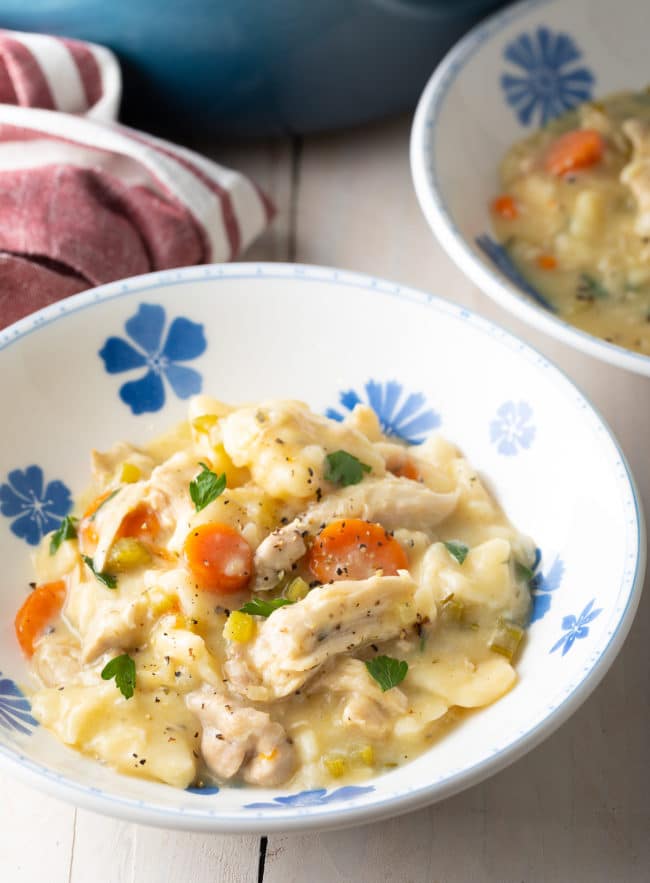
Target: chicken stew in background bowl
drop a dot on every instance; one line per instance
(528, 153)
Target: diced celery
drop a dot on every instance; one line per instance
(130, 473)
(239, 627)
(367, 755)
(296, 590)
(506, 638)
(127, 553)
(336, 766)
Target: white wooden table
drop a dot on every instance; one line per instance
(578, 807)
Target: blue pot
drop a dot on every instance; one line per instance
(260, 67)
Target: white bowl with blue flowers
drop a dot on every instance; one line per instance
(119, 362)
(505, 79)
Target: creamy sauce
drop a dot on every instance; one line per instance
(208, 703)
(581, 236)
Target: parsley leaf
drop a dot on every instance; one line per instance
(344, 469)
(524, 574)
(457, 550)
(388, 672)
(206, 487)
(589, 288)
(122, 668)
(107, 579)
(261, 607)
(67, 530)
(103, 503)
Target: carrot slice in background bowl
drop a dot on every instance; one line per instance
(578, 149)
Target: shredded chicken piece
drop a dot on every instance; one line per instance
(366, 707)
(239, 739)
(166, 491)
(397, 457)
(393, 502)
(110, 516)
(294, 642)
(168, 494)
(122, 624)
(636, 174)
(104, 464)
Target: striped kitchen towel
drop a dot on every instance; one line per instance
(85, 200)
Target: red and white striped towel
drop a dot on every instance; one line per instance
(85, 200)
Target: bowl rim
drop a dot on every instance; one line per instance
(430, 195)
(270, 821)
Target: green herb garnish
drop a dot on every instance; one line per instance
(388, 672)
(261, 607)
(103, 503)
(457, 550)
(344, 469)
(107, 579)
(206, 487)
(524, 574)
(67, 530)
(589, 287)
(122, 668)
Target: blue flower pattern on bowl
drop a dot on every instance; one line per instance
(547, 81)
(406, 418)
(503, 262)
(185, 340)
(36, 510)
(576, 628)
(204, 791)
(542, 587)
(14, 708)
(511, 429)
(316, 797)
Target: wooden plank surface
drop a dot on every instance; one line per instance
(578, 807)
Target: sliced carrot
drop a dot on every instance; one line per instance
(97, 502)
(547, 262)
(87, 530)
(574, 150)
(218, 557)
(142, 523)
(407, 469)
(40, 608)
(355, 549)
(506, 207)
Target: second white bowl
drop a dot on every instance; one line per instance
(562, 52)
